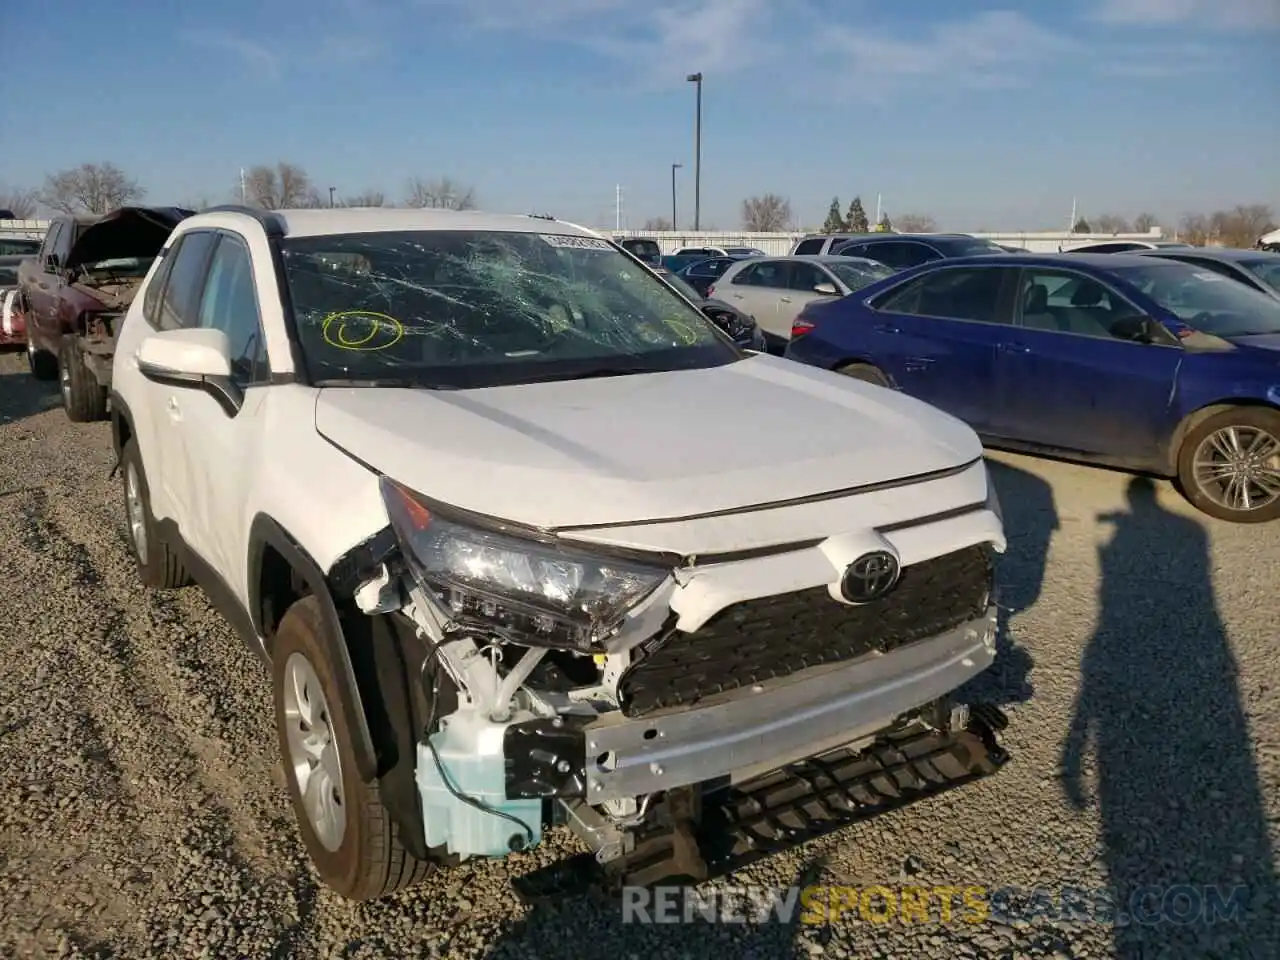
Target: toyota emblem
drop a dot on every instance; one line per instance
(870, 577)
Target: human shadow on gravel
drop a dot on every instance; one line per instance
(22, 395)
(1030, 519)
(599, 925)
(1184, 825)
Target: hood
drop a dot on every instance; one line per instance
(644, 447)
(125, 233)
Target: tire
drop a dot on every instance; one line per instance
(42, 363)
(159, 565)
(84, 399)
(865, 372)
(1255, 429)
(364, 859)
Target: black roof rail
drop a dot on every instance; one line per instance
(271, 221)
(540, 216)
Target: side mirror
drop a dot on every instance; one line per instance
(192, 359)
(827, 290)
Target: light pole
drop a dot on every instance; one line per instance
(696, 79)
(674, 168)
(331, 190)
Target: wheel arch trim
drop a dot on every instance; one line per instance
(265, 531)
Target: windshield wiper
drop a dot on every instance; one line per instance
(590, 374)
(406, 383)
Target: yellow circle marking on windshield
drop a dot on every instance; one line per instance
(383, 331)
(682, 330)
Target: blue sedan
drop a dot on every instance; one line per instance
(1135, 362)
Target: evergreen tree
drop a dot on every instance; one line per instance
(834, 222)
(855, 220)
(1082, 226)
(885, 225)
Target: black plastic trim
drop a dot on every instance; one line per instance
(265, 531)
(215, 588)
(269, 220)
(223, 389)
(536, 749)
(362, 561)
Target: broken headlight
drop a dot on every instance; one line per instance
(538, 594)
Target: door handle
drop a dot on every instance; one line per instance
(1013, 348)
(175, 411)
(887, 328)
(784, 299)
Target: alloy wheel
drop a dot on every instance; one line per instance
(137, 512)
(1238, 468)
(313, 751)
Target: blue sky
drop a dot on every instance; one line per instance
(985, 115)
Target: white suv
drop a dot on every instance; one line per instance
(526, 540)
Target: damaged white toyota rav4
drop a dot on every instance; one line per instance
(526, 541)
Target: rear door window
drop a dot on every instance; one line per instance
(812, 245)
(972, 294)
(179, 303)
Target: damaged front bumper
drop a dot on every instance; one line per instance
(772, 724)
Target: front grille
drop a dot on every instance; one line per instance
(772, 637)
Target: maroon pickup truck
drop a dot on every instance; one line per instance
(76, 290)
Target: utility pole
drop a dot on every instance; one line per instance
(244, 193)
(617, 208)
(674, 168)
(331, 190)
(696, 79)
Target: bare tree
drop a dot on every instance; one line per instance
(1244, 224)
(441, 194)
(284, 186)
(658, 224)
(369, 198)
(917, 223)
(21, 203)
(1110, 223)
(1143, 222)
(94, 188)
(767, 214)
(1194, 228)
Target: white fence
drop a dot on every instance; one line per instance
(774, 244)
(777, 244)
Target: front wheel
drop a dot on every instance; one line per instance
(1229, 465)
(349, 835)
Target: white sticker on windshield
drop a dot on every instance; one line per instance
(569, 242)
(1202, 275)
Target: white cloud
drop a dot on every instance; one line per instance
(1228, 14)
(993, 48)
(250, 53)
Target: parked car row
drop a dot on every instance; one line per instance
(1162, 359)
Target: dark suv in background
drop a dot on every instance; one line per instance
(903, 251)
(643, 249)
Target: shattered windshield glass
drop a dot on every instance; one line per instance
(458, 308)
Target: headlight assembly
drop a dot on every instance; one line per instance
(538, 594)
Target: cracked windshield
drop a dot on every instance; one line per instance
(480, 308)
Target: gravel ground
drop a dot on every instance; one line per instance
(142, 811)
